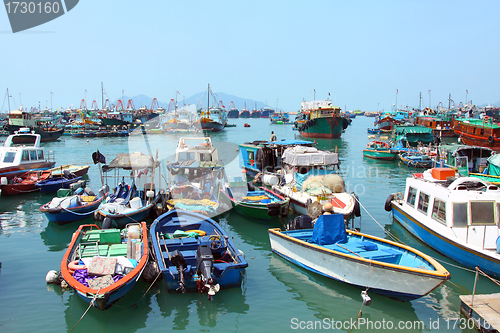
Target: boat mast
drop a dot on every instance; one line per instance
(102, 96)
(420, 102)
(8, 99)
(208, 98)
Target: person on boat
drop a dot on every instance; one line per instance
(273, 137)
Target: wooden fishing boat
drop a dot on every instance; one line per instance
(456, 216)
(104, 265)
(77, 170)
(51, 185)
(379, 150)
(368, 262)
(71, 208)
(478, 132)
(25, 183)
(195, 254)
(262, 204)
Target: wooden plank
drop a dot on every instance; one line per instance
(485, 311)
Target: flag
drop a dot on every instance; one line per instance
(97, 157)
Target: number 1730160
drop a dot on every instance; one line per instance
(16, 7)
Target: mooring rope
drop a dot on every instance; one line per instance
(90, 305)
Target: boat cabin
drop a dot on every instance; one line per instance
(199, 149)
(14, 155)
(467, 207)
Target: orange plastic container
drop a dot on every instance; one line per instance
(442, 173)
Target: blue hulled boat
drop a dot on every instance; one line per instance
(195, 254)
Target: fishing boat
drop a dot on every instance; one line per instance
(25, 122)
(246, 125)
(194, 253)
(213, 119)
(266, 112)
(321, 120)
(258, 156)
(77, 170)
(374, 131)
(457, 216)
(17, 159)
(196, 148)
(51, 185)
(441, 125)
(103, 265)
(368, 262)
(491, 172)
(245, 113)
(416, 160)
(25, 183)
(309, 177)
(379, 150)
(262, 203)
(80, 205)
(136, 201)
(233, 111)
(412, 136)
(478, 132)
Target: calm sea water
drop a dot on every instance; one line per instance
(276, 295)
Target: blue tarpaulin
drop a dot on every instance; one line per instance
(329, 229)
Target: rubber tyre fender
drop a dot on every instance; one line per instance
(388, 206)
(490, 139)
(357, 208)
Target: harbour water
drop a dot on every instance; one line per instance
(276, 296)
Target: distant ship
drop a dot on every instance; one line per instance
(266, 112)
(233, 111)
(322, 120)
(244, 112)
(19, 119)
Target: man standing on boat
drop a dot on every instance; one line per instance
(273, 137)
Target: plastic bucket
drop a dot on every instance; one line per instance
(270, 180)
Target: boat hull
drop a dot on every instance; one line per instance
(46, 135)
(17, 170)
(389, 280)
(105, 297)
(62, 216)
(326, 128)
(461, 254)
(379, 155)
(52, 185)
(256, 210)
(212, 126)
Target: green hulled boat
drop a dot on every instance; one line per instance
(262, 204)
(322, 120)
(379, 150)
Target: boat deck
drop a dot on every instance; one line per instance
(368, 249)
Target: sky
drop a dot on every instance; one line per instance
(366, 55)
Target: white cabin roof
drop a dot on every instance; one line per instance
(309, 156)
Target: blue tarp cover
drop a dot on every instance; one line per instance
(329, 229)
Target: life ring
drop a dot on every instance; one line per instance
(73, 266)
(199, 232)
(388, 206)
(490, 139)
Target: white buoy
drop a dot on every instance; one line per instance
(366, 299)
(52, 277)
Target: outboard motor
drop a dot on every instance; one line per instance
(204, 266)
(180, 263)
(300, 222)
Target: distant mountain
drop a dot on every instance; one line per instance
(200, 99)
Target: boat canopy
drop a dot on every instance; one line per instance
(309, 156)
(494, 165)
(131, 161)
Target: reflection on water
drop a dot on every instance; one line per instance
(122, 317)
(316, 291)
(57, 237)
(194, 309)
(19, 213)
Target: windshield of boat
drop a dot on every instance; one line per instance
(9, 157)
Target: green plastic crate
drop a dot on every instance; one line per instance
(116, 250)
(110, 236)
(64, 192)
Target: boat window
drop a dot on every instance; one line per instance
(412, 194)
(439, 211)
(25, 156)
(40, 154)
(205, 157)
(186, 156)
(9, 157)
(482, 212)
(423, 202)
(33, 155)
(459, 214)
